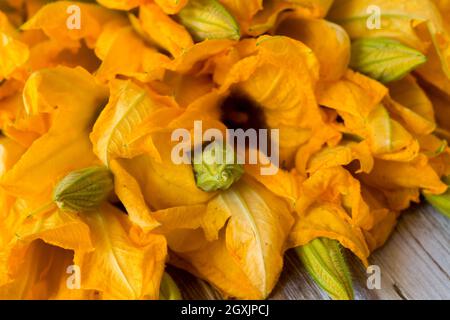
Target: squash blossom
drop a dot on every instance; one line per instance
(98, 102)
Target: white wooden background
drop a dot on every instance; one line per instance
(415, 264)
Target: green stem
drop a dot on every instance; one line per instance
(44, 208)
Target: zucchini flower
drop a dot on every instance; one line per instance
(420, 24)
(14, 53)
(92, 247)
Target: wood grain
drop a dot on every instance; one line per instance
(414, 263)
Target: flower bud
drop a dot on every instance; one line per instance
(208, 19)
(83, 190)
(383, 59)
(324, 261)
(216, 168)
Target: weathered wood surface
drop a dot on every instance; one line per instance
(414, 263)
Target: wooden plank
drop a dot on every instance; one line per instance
(415, 264)
(416, 260)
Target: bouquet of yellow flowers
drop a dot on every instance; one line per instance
(213, 135)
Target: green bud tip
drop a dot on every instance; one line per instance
(385, 60)
(169, 289)
(209, 19)
(83, 190)
(324, 261)
(216, 167)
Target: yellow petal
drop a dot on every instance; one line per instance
(13, 53)
(119, 268)
(171, 6)
(432, 146)
(190, 59)
(312, 8)
(336, 185)
(356, 95)
(75, 99)
(342, 155)
(129, 106)
(153, 169)
(49, 53)
(214, 263)
(414, 107)
(164, 31)
(182, 227)
(163, 183)
(392, 175)
(441, 105)
(388, 139)
(265, 20)
(437, 70)
(329, 42)
(53, 19)
(61, 229)
(215, 218)
(122, 4)
(283, 184)
(43, 275)
(416, 23)
(128, 191)
(441, 163)
(123, 52)
(247, 259)
(256, 233)
(243, 10)
(325, 220)
(187, 89)
(10, 87)
(358, 100)
(20, 127)
(10, 153)
(280, 76)
(20, 230)
(188, 228)
(385, 219)
(9, 108)
(398, 16)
